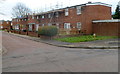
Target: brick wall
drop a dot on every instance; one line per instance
(88, 14)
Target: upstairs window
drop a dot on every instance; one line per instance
(1, 22)
(67, 25)
(7, 22)
(49, 15)
(78, 10)
(79, 25)
(66, 12)
(17, 20)
(57, 14)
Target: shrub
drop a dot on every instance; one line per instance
(48, 31)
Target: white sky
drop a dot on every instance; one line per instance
(7, 6)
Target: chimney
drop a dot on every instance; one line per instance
(89, 2)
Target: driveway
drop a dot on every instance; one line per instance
(29, 56)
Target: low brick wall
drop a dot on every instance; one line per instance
(23, 33)
(34, 34)
(106, 28)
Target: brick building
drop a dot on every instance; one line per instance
(70, 20)
(5, 24)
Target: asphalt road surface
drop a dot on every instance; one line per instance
(29, 56)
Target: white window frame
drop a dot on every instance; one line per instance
(17, 20)
(37, 17)
(1, 26)
(25, 19)
(37, 26)
(1, 22)
(7, 22)
(33, 17)
(57, 14)
(67, 26)
(66, 12)
(57, 24)
(49, 24)
(78, 10)
(17, 27)
(49, 15)
(43, 24)
(43, 16)
(30, 27)
(79, 25)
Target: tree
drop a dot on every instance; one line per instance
(20, 10)
(117, 13)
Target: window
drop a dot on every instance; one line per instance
(37, 17)
(25, 19)
(49, 15)
(1, 22)
(49, 24)
(57, 14)
(1, 27)
(67, 25)
(79, 25)
(11, 24)
(7, 22)
(57, 24)
(66, 12)
(17, 20)
(43, 24)
(33, 17)
(78, 10)
(37, 26)
(43, 16)
(30, 27)
(17, 26)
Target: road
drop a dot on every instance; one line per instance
(29, 56)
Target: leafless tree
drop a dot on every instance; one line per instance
(20, 10)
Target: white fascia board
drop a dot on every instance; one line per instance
(99, 4)
(117, 20)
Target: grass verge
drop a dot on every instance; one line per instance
(84, 38)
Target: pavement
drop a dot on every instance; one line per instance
(98, 44)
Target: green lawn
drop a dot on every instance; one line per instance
(84, 38)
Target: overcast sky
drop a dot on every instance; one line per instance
(7, 5)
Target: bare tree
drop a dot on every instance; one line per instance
(20, 10)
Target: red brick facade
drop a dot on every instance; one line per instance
(78, 19)
(5, 24)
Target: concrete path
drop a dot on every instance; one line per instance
(30, 56)
(98, 44)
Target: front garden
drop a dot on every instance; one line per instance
(84, 38)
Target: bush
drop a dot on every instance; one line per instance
(48, 31)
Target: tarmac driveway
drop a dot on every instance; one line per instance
(29, 56)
